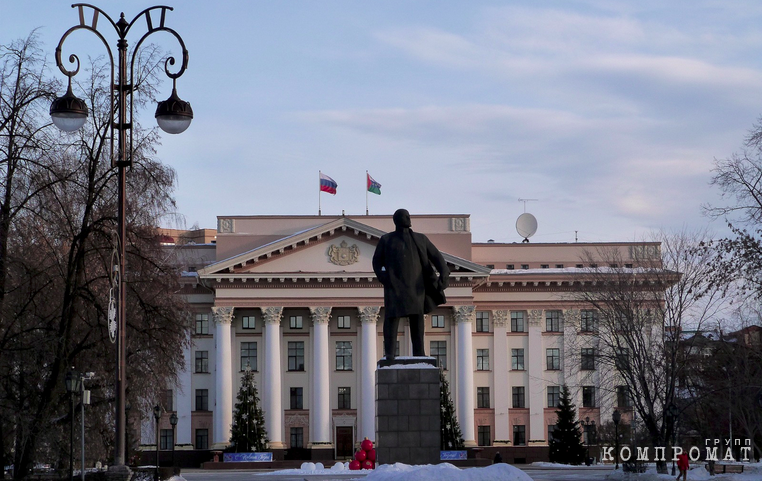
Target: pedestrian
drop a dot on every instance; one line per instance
(682, 465)
(498, 458)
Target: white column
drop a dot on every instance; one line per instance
(535, 357)
(272, 378)
(184, 398)
(223, 407)
(464, 318)
(503, 394)
(320, 411)
(368, 319)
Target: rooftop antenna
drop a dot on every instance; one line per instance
(525, 202)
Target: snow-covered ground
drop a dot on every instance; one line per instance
(406, 472)
(751, 472)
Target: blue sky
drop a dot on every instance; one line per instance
(610, 113)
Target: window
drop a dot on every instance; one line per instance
(517, 322)
(437, 320)
(485, 437)
(553, 357)
(559, 266)
(519, 400)
(613, 266)
(297, 398)
(554, 396)
(588, 320)
(588, 434)
(517, 359)
(202, 399)
(166, 440)
(482, 397)
(553, 321)
(588, 359)
(579, 266)
(297, 438)
(544, 266)
(344, 355)
(345, 398)
(519, 435)
(249, 356)
(525, 266)
(509, 267)
(623, 399)
(482, 359)
(167, 400)
(202, 361)
(482, 321)
(628, 266)
(588, 396)
(248, 322)
(438, 349)
(295, 322)
(623, 359)
(202, 324)
(344, 322)
(491, 266)
(202, 439)
(551, 431)
(296, 356)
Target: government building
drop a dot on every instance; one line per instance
(295, 299)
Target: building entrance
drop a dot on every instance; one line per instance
(344, 442)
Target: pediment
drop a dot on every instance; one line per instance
(343, 246)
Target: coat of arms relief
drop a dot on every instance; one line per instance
(343, 254)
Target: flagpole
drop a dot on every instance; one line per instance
(366, 192)
(319, 209)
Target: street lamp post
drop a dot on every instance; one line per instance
(72, 387)
(85, 399)
(173, 115)
(157, 416)
(616, 417)
(672, 415)
(589, 428)
(173, 422)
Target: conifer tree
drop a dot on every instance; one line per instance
(566, 444)
(248, 432)
(451, 436)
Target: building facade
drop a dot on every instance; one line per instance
(295, 299)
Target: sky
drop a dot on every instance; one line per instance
(609, 113)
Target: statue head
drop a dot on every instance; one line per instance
(402, 219)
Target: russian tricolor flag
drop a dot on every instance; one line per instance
(327, 184)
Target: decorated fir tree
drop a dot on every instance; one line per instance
(451, 436)
(566, 444)
(248, 433)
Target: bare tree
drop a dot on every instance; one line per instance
(60, 245)
(644, 299)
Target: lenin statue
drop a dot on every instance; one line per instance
(403, 263)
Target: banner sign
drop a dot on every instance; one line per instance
(452, 455)
(247, 457)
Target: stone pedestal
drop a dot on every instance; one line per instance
(407, 412)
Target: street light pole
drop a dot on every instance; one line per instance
(72, 377)
(616, 417)
(173, 115)
(173, 422)
(157, 416)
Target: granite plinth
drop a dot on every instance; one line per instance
(407, 412)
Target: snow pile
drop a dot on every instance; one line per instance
(406, 472)
(446, 472)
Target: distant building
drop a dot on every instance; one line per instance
(295, 299)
